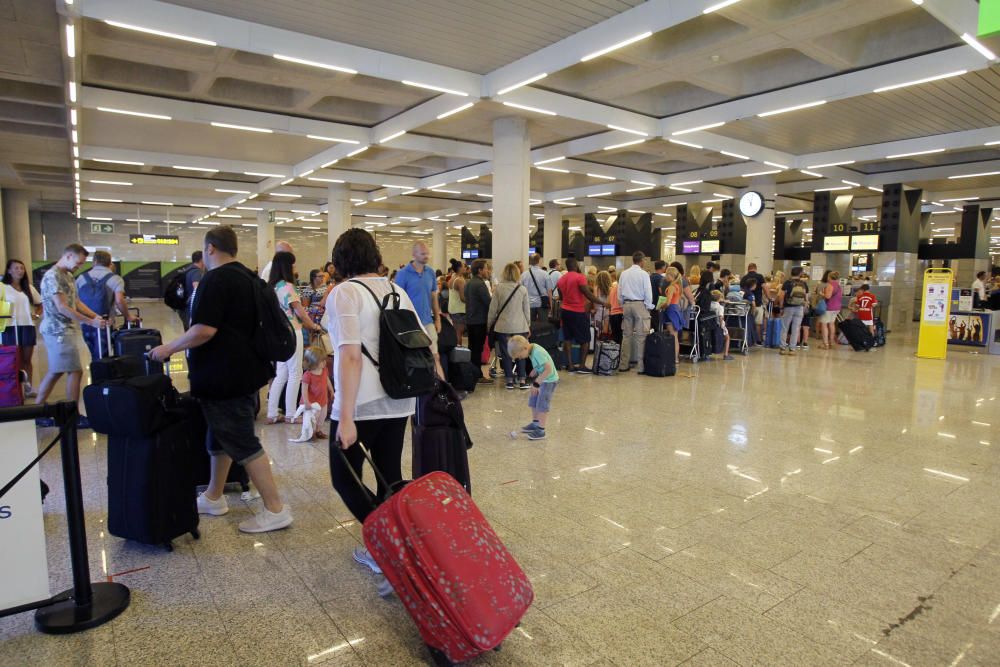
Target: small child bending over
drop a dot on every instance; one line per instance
(544, 379)
(316, 386)
(718, 299)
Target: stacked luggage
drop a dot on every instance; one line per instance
(154, 435)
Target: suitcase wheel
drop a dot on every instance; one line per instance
(438, 657)
(169, 546)
(196, 534)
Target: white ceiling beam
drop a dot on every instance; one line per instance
(157, 181)
(872, 152)
(234, 33)
(440, 146)
(960, 16)
(157, 159)
(583, 110)
(937, 173)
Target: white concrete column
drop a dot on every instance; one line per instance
(439, 246)
(338, 214)
(511, 189)
(265, 239)
(552, 232)
(17, 233)
(3, 234)
(37, 236)
(760, 230)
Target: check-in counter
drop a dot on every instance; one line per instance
(975, 329)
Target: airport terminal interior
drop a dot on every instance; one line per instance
(827, 507)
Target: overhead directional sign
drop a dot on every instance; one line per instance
(152, 239)
(102, 228)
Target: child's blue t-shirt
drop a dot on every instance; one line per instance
(539, 357)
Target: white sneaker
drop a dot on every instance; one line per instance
(216, 507)
(266, 521)
(383, 587)
(362, 556)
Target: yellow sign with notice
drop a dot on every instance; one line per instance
(935, 308)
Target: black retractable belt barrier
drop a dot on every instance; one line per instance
(86, 605)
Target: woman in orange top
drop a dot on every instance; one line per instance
(617, 314)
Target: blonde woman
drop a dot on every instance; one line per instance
(602, 314)
(672, 316)
(510, 315)
(694, 275)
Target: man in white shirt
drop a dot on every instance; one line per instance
(536, 281)
(280, 246)
(635, 294)
(979, 288)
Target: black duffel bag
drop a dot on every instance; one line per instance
(130, 407)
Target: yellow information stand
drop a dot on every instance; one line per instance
(935, 308)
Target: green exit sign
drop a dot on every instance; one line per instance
(102, 228)
(989, 17)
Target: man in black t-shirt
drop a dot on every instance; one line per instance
(225, 373)
(758, 296)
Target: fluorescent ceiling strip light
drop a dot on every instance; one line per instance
(857, 185)
(874, 187)
(290, 195)
(735, 155)
(258, 173)
(688, 183)
(675, 187)
(249, 208)
(988, 143)
(141, 114)
(157, 203)
(466, 179)
(642, 189)
(607, 178)
(625, 129)
(665, 215)
(556, 169)
(718, 194)
(313, 63)
(324, 166)
(775, 164)
(439, 89)
(919, 81)
(392, 136)
(76, 152)
(380, 198)
(70, 40)
(447, 192)
(390, 185)
(717, 7)
(227, 215)
(842, 187)
(456, 110)
(600, 194)
(971, 41)
(711, 201)
(235, 192)
(525, 107)
(797, 210)
(357, 151)
(794, 108)
(551, 159)
(320, 137)
(110, 201)
(137, 220)
(410, 192)
(950, 199)
(203, 205)
(72, 91)
(537, 77)
(246, 128)
(685, 143)
(644, 183)
(811, 173)
(161, 33)
(209, 222)
(623, 145)
(72, 119)
(697, 129)
(110, 182)
(899, 155)
(762, 173)
(564, 200)
(99, 219)
(985, 173)
(203, 169)
(613, 47)
(831, 164)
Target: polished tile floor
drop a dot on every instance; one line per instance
(832, 508)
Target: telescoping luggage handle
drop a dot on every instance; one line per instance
(378, 474)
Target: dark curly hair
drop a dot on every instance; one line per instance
(356, 253)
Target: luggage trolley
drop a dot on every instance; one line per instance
(738, 317)
(689, 338)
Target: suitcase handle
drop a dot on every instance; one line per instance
(107, 332)
(357, 479)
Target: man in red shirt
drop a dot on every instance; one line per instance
(865, 303)
(575, 321)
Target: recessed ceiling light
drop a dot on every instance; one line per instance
(141, 114)
(357, 151)
(392, 136)
(735, 155)
(623, 145)
(313, 63)
(320, 137)
(235, 192)
(697, 129)
(259, 173)
(928, 152)
(677, 187)
(625, 129)
(161, 33)
(613, 47)
(607, 178)
(983, 51)
(246, 128)
(815, 174)
(555, 169)
(456, 110)
(717, 7)
(842, 187)
(202, 169)
(857, 185)
(128, 162)
(525, 107)
(761, 173)
(110, 182)
(290, 195)
(439, 89)
(919, 81)
(600, 194)
(537, 77)
(157, 203)
(985, 173)
(807, 105)
(109, 201)
(685, 143)
(775, 164)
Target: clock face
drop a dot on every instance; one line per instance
(751, 204)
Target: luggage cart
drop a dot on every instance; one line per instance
(689, 337)
(738, 318)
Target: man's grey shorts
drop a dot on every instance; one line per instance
(231, 428)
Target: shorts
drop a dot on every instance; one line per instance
(63, 351)
(543, 401)
(576, 327)
(457, 318)
(25, 336)
(231, 428)
(432, 334)
(868, 323)
(829, 317)
(758, 315)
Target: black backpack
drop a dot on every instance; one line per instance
(175, 295)
(405, 363)
(275, 338)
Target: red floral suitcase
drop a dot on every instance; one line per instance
(455, 577)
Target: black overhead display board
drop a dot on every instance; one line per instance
(695, 225)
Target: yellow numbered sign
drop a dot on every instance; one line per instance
(935, 309)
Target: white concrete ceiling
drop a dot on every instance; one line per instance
(721, 69)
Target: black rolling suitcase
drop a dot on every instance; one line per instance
(857, 335)
(151, 484)
(658, 359)
(136, 342)
(462, 373)
(440, 439)
(108, 368)
(131, 406)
